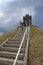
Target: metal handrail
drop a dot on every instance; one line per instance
(20, 47)
(27, 45)
(4, 42)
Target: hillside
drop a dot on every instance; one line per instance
(9, 34)
(36, 46)
(35, 56)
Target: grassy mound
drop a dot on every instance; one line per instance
(36, 46)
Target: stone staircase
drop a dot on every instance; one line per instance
(9, 49)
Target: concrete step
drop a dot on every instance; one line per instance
(14, 45)
(13, 42)
(6, 61)
(18, 38)
(8, 49)
(11, 55)
(11, 45)
(20, 34)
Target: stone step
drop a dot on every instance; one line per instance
(8, 49)
(20, 34)
(13, 42)
(6, 61)
(11, 45)
(14, 45)
(11, 55)
(18, 38)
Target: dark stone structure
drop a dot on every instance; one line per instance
(27, 20)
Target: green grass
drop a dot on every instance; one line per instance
(36, 46)
(9, 34)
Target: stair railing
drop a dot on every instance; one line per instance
(25, 34)
(27, 47)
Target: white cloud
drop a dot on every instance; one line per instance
(4, 22)
(2, 17)
(20, 12)
(17, 14)
(1, 1)
(8, 19)
(2, 14)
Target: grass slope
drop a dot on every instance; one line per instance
(36, 46)
(8, 35)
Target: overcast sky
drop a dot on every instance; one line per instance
(12, 11)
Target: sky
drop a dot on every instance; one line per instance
(12, 12)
